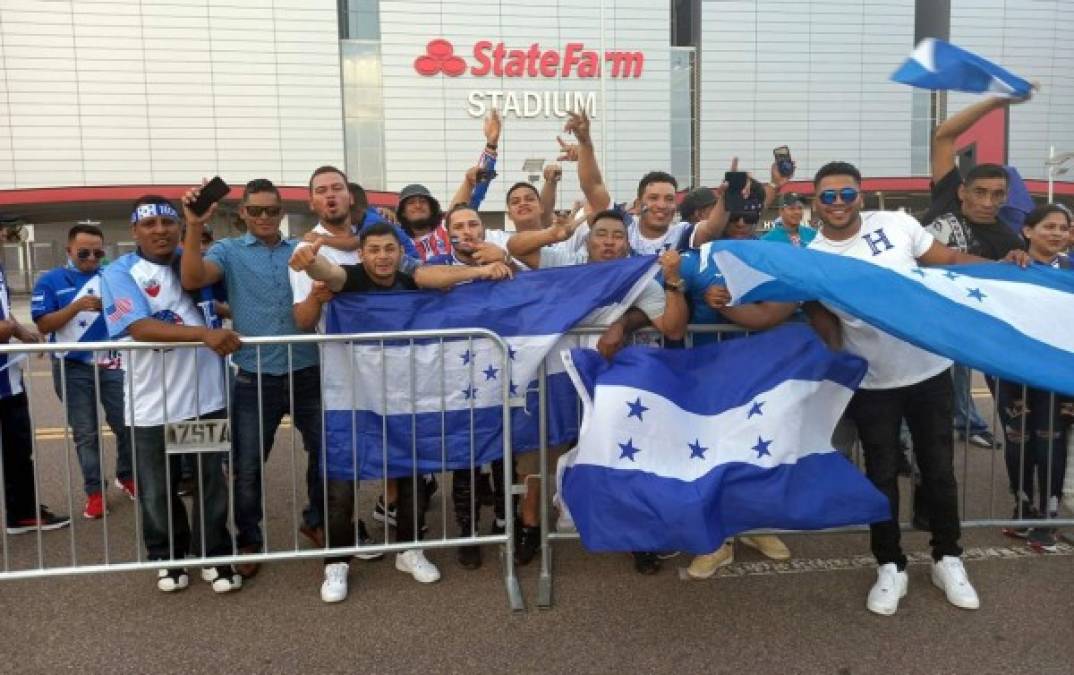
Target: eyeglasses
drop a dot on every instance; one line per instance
(847, 194)
(85, 253)
(258, 211)
(748, 218)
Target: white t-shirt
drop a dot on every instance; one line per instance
(169, 385)
(499, 238)
(302, 285)
(893, 240)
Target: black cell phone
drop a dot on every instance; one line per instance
(784, 163)
(211, 192)
(736, 180)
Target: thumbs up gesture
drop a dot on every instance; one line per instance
(304, 256)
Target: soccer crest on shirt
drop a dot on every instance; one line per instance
(151, 287)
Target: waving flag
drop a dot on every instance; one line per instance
(996, 317)
(936, 64)
(441, 401)
(680, 449)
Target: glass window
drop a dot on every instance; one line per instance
(359, 19)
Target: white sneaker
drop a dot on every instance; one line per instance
(171, 580)
(949, 576)
(334, 588)
(414, 563)
(890, 587)
(223, 579)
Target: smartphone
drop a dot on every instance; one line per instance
(211, 192)
(784, 163)
(736, 180)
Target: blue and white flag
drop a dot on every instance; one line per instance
(441, 401)
(680, 449)
(995, 317)
(936, 64)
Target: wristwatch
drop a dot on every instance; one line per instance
(677, 286)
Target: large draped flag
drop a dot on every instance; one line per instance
(440, 401)
(995, 317)
(936, 64)
(680, 449)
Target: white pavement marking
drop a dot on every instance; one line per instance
(771, 568)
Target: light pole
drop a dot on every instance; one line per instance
(1055, 168)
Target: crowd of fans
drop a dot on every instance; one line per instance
(174, 286)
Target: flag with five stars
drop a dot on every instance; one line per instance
(428, 405)
(680, 449)
(995, 317)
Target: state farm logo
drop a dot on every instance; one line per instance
(439, 58)
(497, 60)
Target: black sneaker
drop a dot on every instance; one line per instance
(382, 515)
(46, 520)
(498, 527)
(365, 540)
(646, 563)
(529, 542)
(468, 557)
(1027, 512)
(983, 439)
(1042, 539)
(222, 578)
(172, 580)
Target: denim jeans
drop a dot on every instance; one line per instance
(17, 441)
(158, 487)
(965, 408)
(254, 433)
(926, 406)
(1035, 434)
(81, 403)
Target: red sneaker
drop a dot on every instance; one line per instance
(127, 485)
(94, 506)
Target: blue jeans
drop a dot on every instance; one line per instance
(81, 403)
(965, 408)
(253, 436)
(158, 486)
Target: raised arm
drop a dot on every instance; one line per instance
(306, 259)
(487, 161)
(589, 176)
(943, 141)
(712, 227)
(194, 271)
(553, 173)
(526, 246)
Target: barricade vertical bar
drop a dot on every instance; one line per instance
(354, 437)
(999, 432)
(67, 452)
(98, 408)
(28, 392)
(229, 413)
(514, 591)
(1047, 477)
(443, 443)
(1020, 495)
(322, 463)
(3, 507)
(414, 445)
(128, 394)
(544, 580)
(261, 450)
(309, 451)
(473, 457)
(200, 506)
(167, 459)
(384, 441)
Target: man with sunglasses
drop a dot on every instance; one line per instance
(271, 378)
(66, 305)
(903, 381)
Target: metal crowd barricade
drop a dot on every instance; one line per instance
(107, 545)
(984, 493)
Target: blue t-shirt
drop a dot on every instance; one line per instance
(806, 234)
(699, 272)
(57, 289)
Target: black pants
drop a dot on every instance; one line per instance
(341, 527)
(1035, 431)
(17, 441)
(928, 409)
(462, 494)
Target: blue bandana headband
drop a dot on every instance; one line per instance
(153, 210)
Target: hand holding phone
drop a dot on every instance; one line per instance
(210, 193)
(784, 163)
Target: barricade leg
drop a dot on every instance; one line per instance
(544, 578)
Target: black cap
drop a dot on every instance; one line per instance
(416, 190)
(753, 203)
(694, 201)
(791, 198)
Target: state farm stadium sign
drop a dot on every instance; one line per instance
(489, 59)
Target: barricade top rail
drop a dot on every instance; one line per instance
(307, 338)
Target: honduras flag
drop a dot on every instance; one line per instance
(680, 449)
(935, 64)
(996, 317)
(441, 401)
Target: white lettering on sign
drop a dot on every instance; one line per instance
(529, 104)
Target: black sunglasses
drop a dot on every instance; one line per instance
(258, 211)
(748, 218)
(85, 253)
